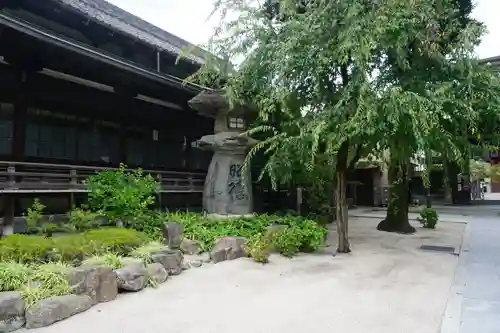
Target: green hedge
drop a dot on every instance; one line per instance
(67, 248)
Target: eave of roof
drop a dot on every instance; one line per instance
(120, 20)
(40, 34)
(492, 60)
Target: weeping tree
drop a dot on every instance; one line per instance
(310, 64)
(345, 77)
(431, 87)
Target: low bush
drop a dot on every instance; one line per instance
(288, 241)
(429, 218)
(303, 234)
(259, 248)
(151, 224)
(34, 216)
(69, 248)
(82, 220)
(122, 194)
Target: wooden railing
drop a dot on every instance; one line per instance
(22, 177)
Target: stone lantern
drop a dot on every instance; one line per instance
(227, 190)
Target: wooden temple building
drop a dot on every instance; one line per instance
(85, 85)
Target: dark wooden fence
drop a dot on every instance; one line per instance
(21, 177)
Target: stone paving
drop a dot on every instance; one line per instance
(474, 304)
(386, 285)
(474, 301)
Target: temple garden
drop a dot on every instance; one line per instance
(117, 243)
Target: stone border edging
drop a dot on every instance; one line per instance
(452, 316)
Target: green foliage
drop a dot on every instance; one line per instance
(306, 233)
(334, 78)
(429, 218)
(306, 237)
(117, 240)
(122, 194)
(146, 251)
(82, 220)
(13, 276)
(107, 259)
(150, 224)
(288, 241)
(24, 249)
(34, 216)
(35, 282)
(46, 281)
(313, 237)
(69, 248)
(259, 248)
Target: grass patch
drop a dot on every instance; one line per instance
(45, 281)
(13, 275)
(111, 260)
(145, 252)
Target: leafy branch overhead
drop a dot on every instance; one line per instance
(338, 81)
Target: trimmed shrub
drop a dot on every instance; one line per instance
(117, 240)
(429, 218)
(69, 248)
(25, 249)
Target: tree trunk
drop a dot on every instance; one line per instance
(342, 212)
(341, 200)
(452, 170)
(396, 219)
(428, 200)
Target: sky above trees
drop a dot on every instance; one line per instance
(188, 19)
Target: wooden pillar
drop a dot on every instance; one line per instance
(8, 208)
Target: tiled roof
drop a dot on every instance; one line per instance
(123, 21)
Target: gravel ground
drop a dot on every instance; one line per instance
(387, 285)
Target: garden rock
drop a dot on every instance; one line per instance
(172, 234)
(11, 311)
(53, 309)
(185, 266)
(195, 263)
(228, 248)
(171, 260)
(190, 247)
(132, 277)
(157, 273)
(205, 257)
(98, 282)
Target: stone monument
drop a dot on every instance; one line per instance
(227, 190)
